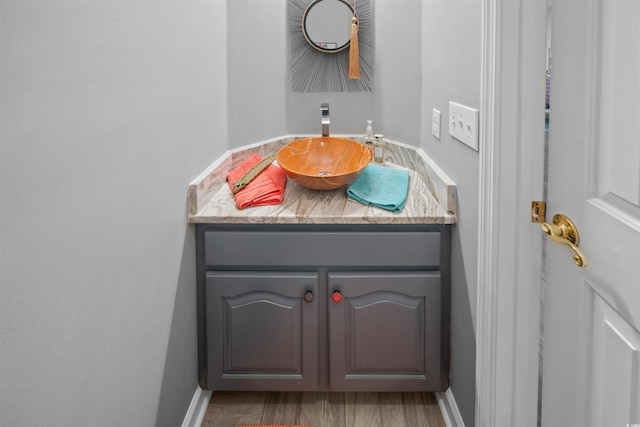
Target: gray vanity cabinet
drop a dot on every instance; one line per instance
(323, 307)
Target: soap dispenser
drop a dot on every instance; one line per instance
(369, 138)
(378, 149)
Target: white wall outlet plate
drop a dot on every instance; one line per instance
(463, 124)
(435, 123)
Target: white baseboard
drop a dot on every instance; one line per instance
(449, 409)
(197, 408)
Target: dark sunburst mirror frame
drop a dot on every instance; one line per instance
(314, 70)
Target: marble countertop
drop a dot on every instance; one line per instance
(431, 199)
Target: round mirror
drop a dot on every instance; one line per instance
(326, 24)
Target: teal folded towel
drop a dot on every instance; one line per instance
(381, 186)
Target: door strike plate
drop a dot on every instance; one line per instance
(538, 211)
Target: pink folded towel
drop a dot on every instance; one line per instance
(266, 189)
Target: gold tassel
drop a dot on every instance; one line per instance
(354, 52)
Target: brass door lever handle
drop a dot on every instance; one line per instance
(564, 231)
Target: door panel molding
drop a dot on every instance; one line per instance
(616, 352)
(616, 79)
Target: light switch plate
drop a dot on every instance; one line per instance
(435, 123)
(463, 124)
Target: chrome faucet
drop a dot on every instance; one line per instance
(324, 108)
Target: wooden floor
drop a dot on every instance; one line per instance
(229, 409)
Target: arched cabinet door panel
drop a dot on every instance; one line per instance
(385, 331)
(262, 330)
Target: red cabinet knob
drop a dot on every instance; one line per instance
(336, 296)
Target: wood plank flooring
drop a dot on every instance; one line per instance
(229, 409)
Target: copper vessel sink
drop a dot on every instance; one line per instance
(323, 163)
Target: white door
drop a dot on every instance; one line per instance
(591, 358)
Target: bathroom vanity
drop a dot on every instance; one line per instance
(321, 293)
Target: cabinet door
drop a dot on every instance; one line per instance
(385, 331)
(262, 333)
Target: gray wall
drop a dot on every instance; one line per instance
(108, 110)
(257, 73)
(451, 64)
(262, 105)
